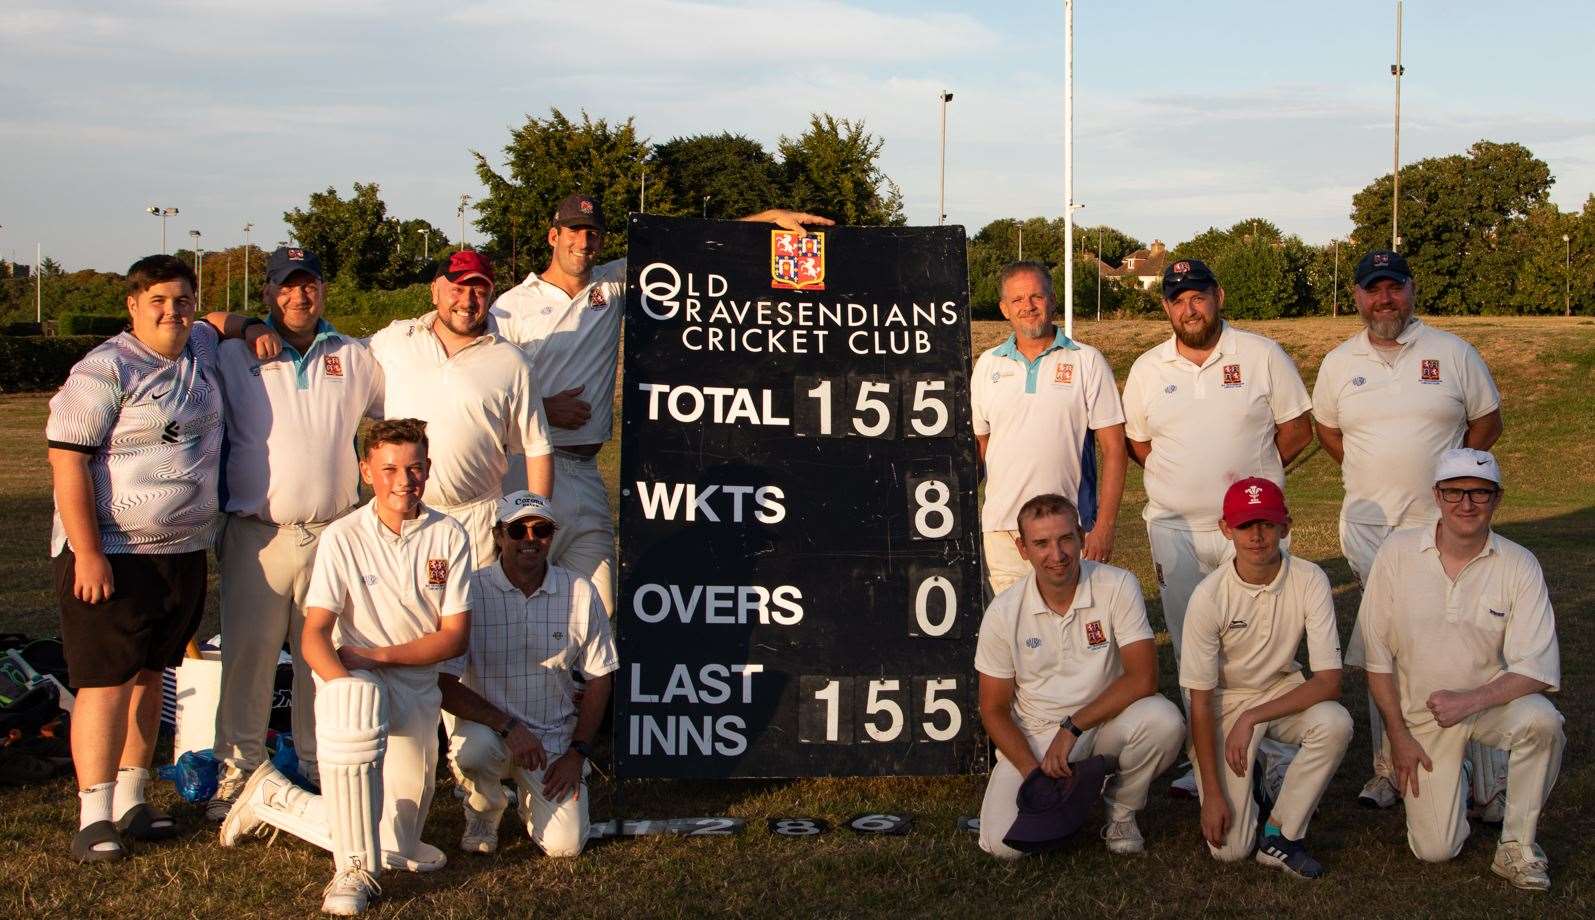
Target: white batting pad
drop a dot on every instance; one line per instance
(351, 734)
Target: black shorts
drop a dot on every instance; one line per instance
(152, 613)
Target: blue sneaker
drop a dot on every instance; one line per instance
(1277, 851)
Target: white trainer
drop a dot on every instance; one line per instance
(1524, 866)
(1123, 836)
(1378, 792)
(481, 831)
(350, 891)
(240, 821)
(228, 789)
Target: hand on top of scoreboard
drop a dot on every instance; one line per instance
(799, 221)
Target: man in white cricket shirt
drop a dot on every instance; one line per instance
(509, 702)
(290, 470)
(1461, 646)
(1388, 401)
(1042, 406)
(388, 601)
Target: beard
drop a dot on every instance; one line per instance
(1388, 328)
(1201, 337)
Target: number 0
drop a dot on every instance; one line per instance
(922, 606)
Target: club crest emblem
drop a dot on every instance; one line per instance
(1032, 642)
(296, 255)
(596, 299)
(437, 572)
(1094, 636)
(1431, 371)
(1232, 375)
(1064, 374)
(797, 260)
(332, 365)
(1254, 495)
(1181, 268)
(586, 205)
(1380, 260)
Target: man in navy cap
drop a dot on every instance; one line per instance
(290, 470)
(1388, 402)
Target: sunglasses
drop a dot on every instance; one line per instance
(1478, 496)
(517, 530)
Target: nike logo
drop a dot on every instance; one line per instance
(161, 395)
(1481, 462)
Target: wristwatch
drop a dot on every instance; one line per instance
(1074, 729)
(508, 727)
(582, 748)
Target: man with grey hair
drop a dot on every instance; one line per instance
(1042, 406)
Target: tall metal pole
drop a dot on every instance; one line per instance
(1396, 70)
(162, 213)
(247, 228)
(461, 211)
(1068, 170)
(1567, 277)
(1099, 273)
(38, 282)
(199, 275)
(1334, 301)
(1021, 242)
(229, 306)
(642, 206)
(943, 98)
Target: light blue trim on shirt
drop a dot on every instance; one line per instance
(324, 330)
(1010, 349)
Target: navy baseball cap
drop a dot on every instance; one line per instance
(1382, 263)
(580, 211)
(1052, 810)
(285, 260)
(1186, 275)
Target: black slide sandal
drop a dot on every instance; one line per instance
(145, 823)
(85, 841)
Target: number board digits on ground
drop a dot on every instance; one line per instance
(799, 546)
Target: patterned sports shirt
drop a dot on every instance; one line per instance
(152, 428)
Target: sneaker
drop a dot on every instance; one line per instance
(1524, 866)
(1184, 787)
(350, 891)
(227, 792)
(1123, 836)
(481, 831)
(1282, 853)
(1380, 792)
(240, 820)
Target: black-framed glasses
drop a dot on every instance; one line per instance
(541, 530)
(1477, 496)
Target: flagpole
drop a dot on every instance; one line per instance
(1068, 170)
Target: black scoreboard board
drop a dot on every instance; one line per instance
(800, 581)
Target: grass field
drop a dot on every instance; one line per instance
(1545, 368)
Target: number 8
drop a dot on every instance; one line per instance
(932, 497)
(797, 827)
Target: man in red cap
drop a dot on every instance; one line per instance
(1242, 627)
(477, 394)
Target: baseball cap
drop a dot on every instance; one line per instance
(285, 260)
(1254, 499)
(1382, 263)
(466, 263)
(1465, 462)
(1186, 275)
(580, 211)
(524, 504)
(1052, 810)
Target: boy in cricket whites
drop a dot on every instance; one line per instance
(1242, 628)
(388, 601)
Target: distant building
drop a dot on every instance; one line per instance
(1143, 267)
(14, 270)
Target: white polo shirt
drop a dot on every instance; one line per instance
(525, 651)
(390, 588)
(1398, 418)
(1039, 415)
(1436, 634)
(1060, 663)
(1241, 638)
(572, 341)
(1209, 425)
(479, 405)
(152, 429)
(291, 427)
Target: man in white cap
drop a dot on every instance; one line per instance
(509, 701)
(1461, 646)
(1388, 401)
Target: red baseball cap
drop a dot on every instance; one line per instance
(1254, 499)
(466, 263)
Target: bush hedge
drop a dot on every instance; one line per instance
(103, 326)
(40, 363)
(22, 329)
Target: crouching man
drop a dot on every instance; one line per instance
(509, 701)
(1461, 646)
(1068, 669)
(1242, 627)
(387, 601)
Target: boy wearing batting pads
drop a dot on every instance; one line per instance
(1242, 627)
(387, 602)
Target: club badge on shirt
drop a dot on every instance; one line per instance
(596, 300)
(437, 573)
(332, 366)
(1431, 371)
(1063, 375)
(1094, 634)
(1232, 375)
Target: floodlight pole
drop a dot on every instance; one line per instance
(942, 98)
(1098, 267)
(199, 275)
(1334, 297)
(247, 228)
(461, 211)
(1396, 70)
(162, 213)
(1567, 276)
(1068, 169)
(38, 282)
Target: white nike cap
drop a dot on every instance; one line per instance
(1465, 462)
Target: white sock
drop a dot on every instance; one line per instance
(94, 804)
(129, 790)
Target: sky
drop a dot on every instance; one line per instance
(1187, 115)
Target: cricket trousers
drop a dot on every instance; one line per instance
(477, 517)
(481, 762)
(585, 541)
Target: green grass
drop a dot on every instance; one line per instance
(1544, 368)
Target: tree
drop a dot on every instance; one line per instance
(548, 159)
(1458, 214)
(50, 268)
(831, 170)
(1261, 270)
(354, 238)
(735, 173)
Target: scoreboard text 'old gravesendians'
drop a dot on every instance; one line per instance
(799, 571)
